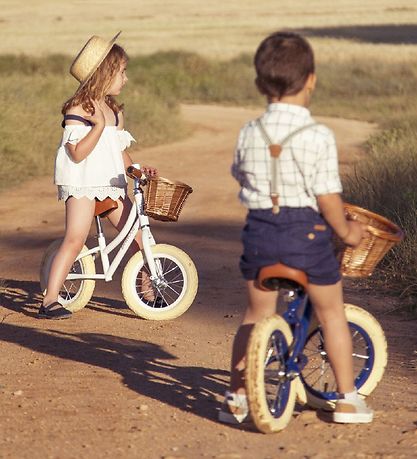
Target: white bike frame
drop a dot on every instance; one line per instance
(137, 219)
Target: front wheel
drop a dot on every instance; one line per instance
(271, 391)
(171, 294)
(369, 360)
(74, 294)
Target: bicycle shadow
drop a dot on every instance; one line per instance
(145, 368)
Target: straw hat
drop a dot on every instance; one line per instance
(90, 57)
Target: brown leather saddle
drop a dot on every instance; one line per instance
(105, 207)
(275, 277)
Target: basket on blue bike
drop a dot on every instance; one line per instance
(164, 198)
(381, 235)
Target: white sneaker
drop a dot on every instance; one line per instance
(234, 409)
(351, 409)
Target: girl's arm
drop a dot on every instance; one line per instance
(127, 160)
(85, 146)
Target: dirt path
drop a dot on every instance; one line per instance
(107, 384)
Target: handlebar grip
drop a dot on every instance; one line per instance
(134, 171)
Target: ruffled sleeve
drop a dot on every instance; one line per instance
(73, 133)
(125, 139)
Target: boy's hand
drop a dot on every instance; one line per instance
(355, 233)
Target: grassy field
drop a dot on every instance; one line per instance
(190, 51)
(211, 28)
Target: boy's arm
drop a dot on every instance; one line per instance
(331, 206)
(327, 190)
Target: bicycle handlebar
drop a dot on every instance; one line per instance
(134, 172)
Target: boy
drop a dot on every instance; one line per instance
(296, 227)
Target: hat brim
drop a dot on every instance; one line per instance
(99, 62)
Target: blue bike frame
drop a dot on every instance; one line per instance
(298, 316)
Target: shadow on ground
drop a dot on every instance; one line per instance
(387, 33)
(145, 367)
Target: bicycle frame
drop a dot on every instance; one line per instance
(137, 219)
(298, 316)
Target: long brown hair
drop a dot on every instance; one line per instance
(99, 83)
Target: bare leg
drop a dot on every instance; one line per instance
(261, 304)
(118, 219)
(78, 217)
(329, 308)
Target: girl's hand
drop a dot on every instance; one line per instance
(98, 118)
(149, 171)
(355, 233)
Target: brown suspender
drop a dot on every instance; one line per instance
(275, 150)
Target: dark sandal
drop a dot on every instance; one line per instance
(54, 311)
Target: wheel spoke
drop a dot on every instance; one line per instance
(172, 285)
(359, 356)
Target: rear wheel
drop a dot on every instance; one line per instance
(74, 294)
(369, 359)
(270, 390)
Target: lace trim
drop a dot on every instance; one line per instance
(90, 192)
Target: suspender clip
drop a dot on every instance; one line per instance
(275, 205)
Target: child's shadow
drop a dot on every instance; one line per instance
(145, 368)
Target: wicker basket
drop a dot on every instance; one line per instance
(164, 199)
(381, 234)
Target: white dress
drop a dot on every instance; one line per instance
(101, 174)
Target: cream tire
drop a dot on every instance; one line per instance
(74, 294)
(256, 355)
(182, 283)
(369, 364)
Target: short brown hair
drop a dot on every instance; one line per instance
(283, 62)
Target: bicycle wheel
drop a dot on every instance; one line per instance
(271, 393)
(369, 360)
(74, 294)
(178, 282)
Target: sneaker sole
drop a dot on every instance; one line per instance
(229, 418)
(44, 316)
(352, 418)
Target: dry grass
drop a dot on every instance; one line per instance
(216, 28)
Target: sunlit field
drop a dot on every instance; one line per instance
(220, 29)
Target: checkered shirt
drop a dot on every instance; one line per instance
(307, 165)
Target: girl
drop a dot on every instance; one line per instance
(91, 159)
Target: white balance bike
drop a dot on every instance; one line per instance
(159, 282)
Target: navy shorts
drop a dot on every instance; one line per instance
(298, 237)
